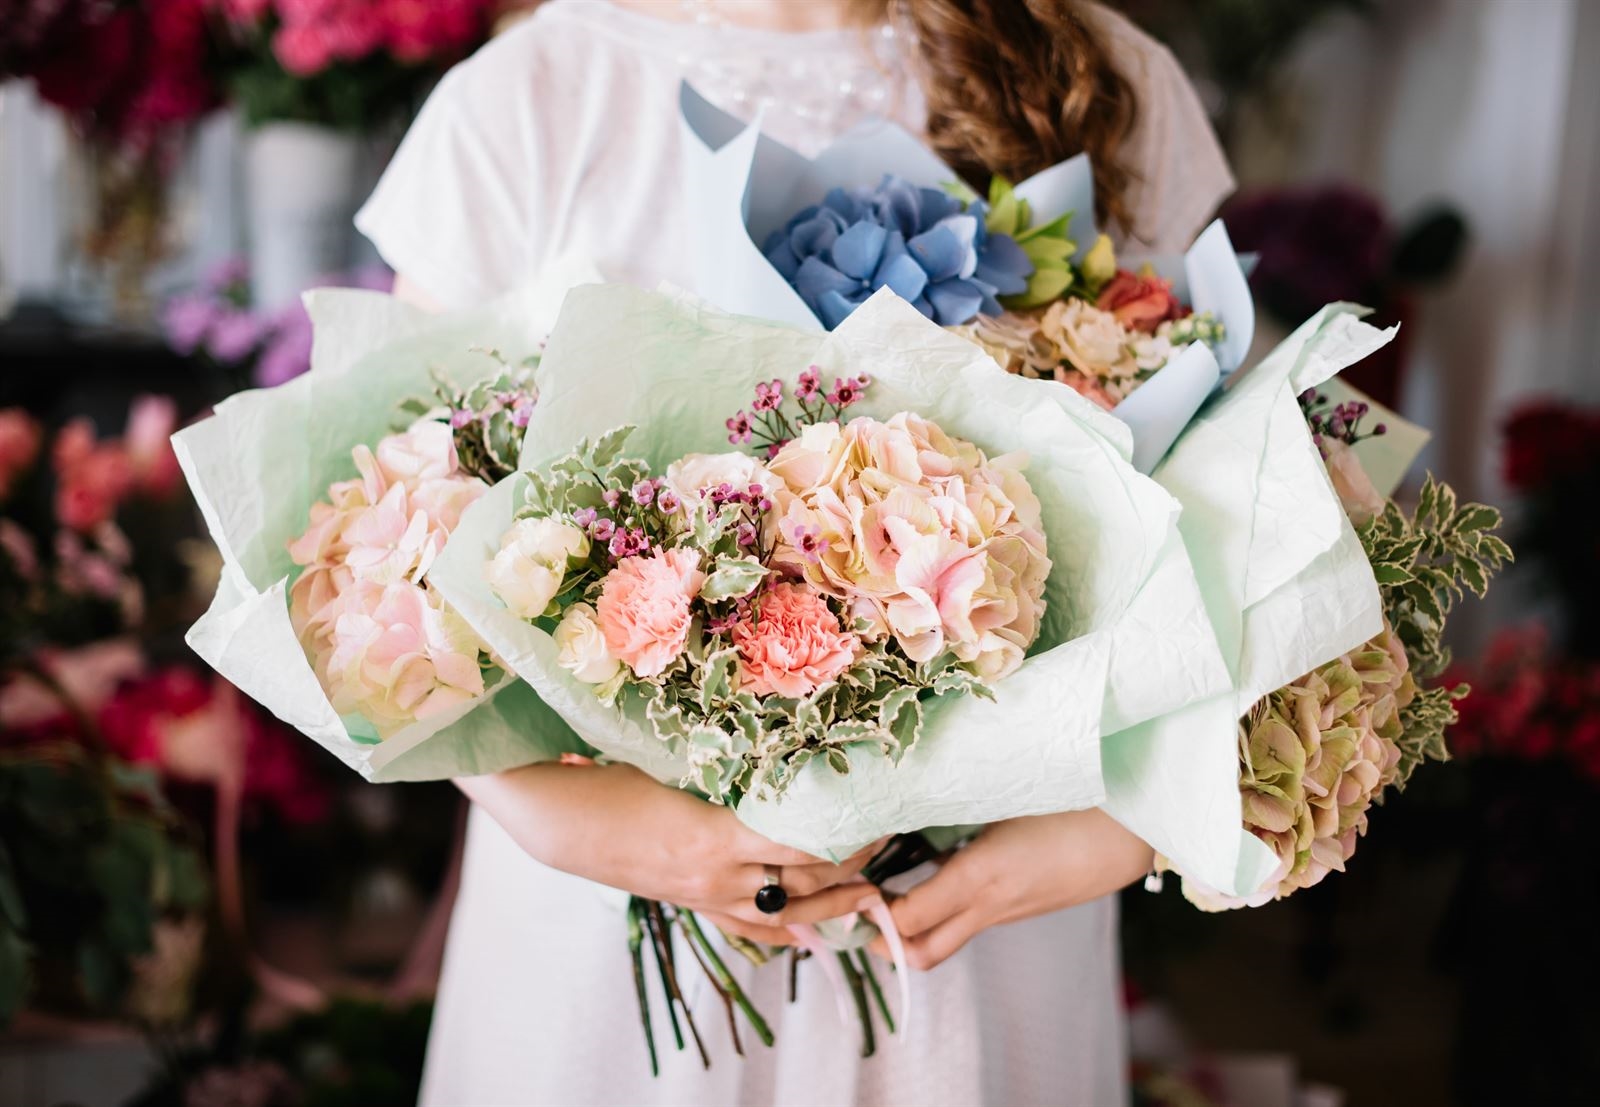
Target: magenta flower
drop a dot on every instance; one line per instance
(603, 529)
(668, 501)
(585, 517)
(461, 417)
(810, 384)
(746, 534)
(739, 429)
(769, 395)
(613, 497)
(644, 492)
(809, 541)
(846, 392)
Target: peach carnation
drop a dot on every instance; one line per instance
(643, 608)
(791, 644)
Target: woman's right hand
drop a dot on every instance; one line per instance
(615, 825)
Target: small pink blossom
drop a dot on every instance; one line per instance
(20, 437)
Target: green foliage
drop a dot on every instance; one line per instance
(91, 857)
(359, 96)
(1427, 562)
(1046, 245)
(739, 745)
(1424, 564)
(488, 445)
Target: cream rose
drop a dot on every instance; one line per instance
(582, 646)
(1091, 340)
(694, 473)
(528, 571)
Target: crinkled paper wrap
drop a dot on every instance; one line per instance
(1126, 619)
(258, 464)
(1287, 587)
(742, 185)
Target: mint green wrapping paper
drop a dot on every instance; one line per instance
(258, 464)
(1126, 636)
(1287, 587)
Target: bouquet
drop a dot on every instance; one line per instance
(916, 598)
(329, 498)
(342, 63)
(1023, 272)
(1331, 706)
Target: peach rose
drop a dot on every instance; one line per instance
(1357, 495)
(1093, 342)
(643, 608)
(426, 451)
(791, 644)
(694, 473)
(1141, 301)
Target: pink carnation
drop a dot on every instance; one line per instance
(643, 608)
(791, 644)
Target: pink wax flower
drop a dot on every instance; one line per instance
(643, 608)
(791, 643)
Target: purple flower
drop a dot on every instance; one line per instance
(521, 414)
(613, 497)
(738, 428)
(668, 502)
(746, 534)
(228, 275)
(287, 356)
(585, 517)
(187, 320)
(603, 530)
(235, 335)
(461, 417)
(810, 384)
(643, 492)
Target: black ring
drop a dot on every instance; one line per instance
(770, 897)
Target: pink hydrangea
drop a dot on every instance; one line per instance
(791, 643)
(643, 608)
(920, 533)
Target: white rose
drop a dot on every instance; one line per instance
(528, 571)
(692, 473)
(1091, 340)
(582, 646)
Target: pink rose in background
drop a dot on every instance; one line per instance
(1140, 301)
(20, 438)
(89, 674)
(427, 451)
(1360, 500)
(302, 50)
(643, 608)
(148, 440)
(791, 643)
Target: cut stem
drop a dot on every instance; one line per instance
(669, 983)
(722, 993)
(877, 992)
(725, 978)
(869, 1041)
(636, 950)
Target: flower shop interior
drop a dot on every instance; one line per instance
(197, 905)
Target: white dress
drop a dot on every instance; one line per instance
(559, 139)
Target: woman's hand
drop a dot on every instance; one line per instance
(1015, 870)
(615, 825)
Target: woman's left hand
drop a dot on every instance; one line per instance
(1015, 870)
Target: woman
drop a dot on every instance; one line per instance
(561, 137)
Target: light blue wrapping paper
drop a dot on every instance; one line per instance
(743, 184)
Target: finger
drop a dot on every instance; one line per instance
(943, 895)
(805, 880)
(829, 903)
(750, 932)
(933, 947)
(757, 849)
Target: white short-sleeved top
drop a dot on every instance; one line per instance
(561, 139)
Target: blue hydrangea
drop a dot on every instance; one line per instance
(931, 249)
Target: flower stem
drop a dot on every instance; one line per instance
(669, 980)
(636, 950)
(725, 978)
(877, 992)
(722, 993)
(869, 1042)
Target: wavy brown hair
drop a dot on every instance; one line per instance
(1015, 86)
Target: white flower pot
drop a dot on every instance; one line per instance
(302, 186)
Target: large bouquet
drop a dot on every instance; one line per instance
(1023, 271)
(329, 498)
